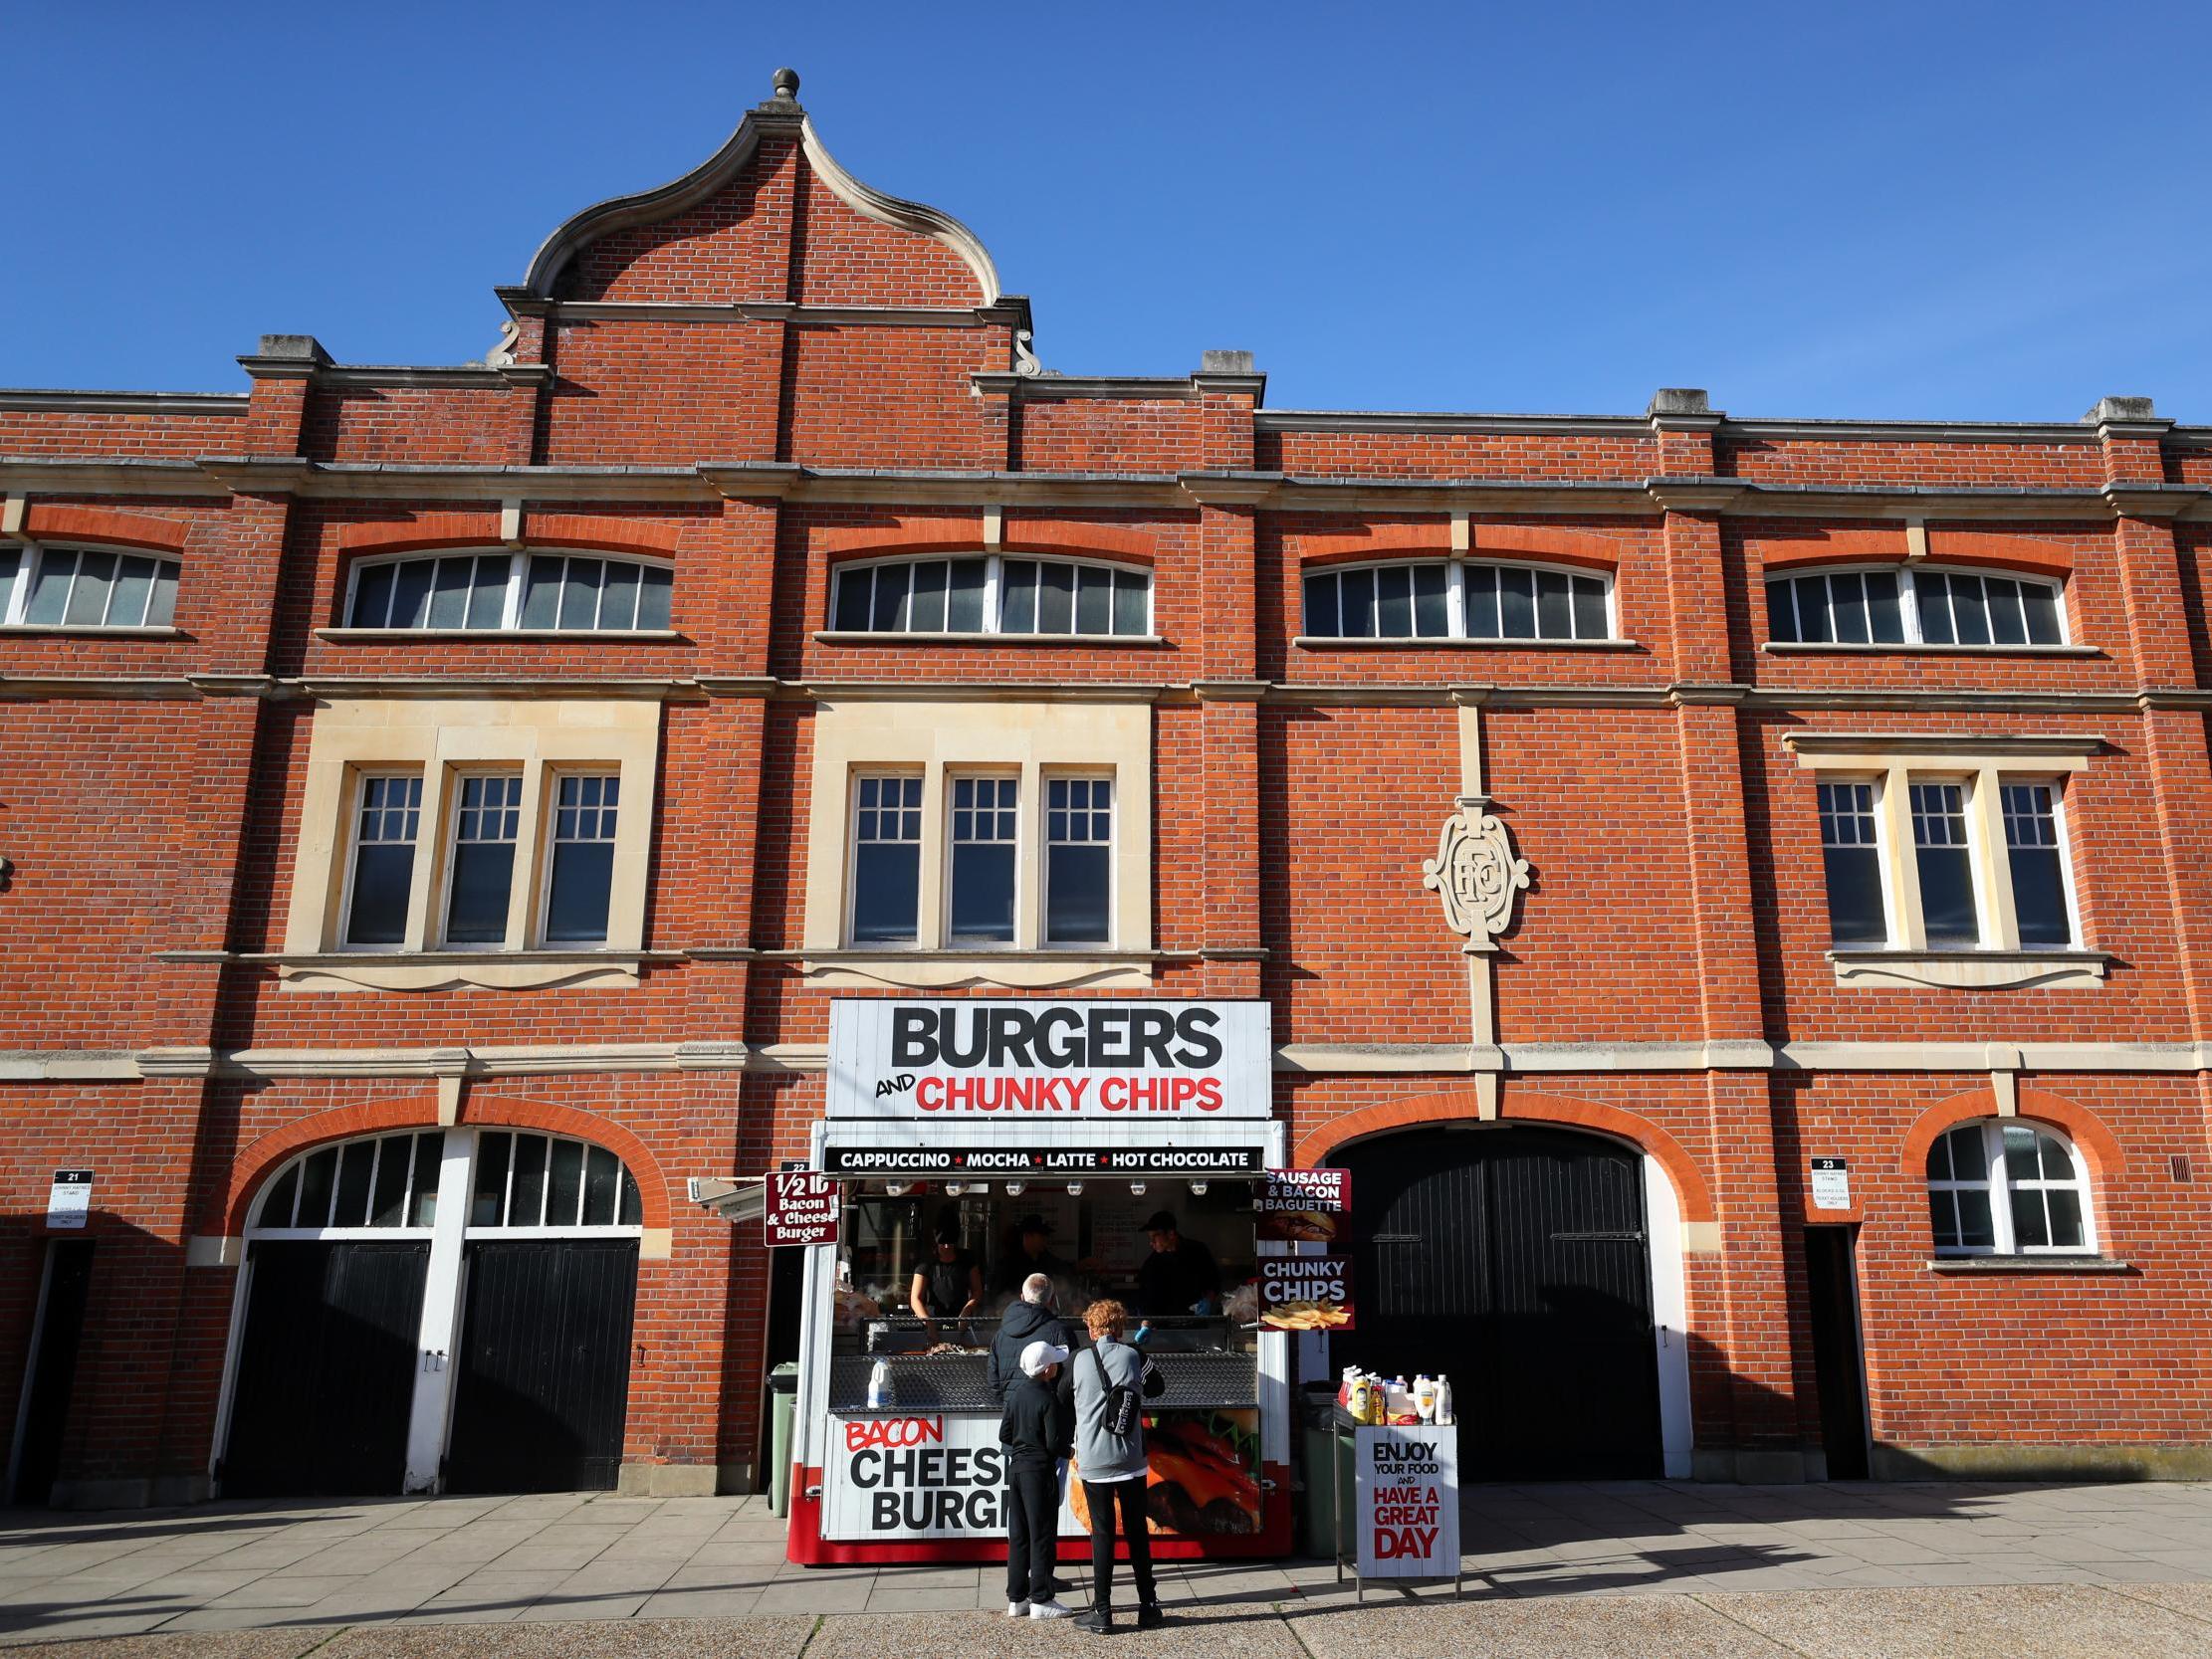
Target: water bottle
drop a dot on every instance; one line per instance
(879, 1387)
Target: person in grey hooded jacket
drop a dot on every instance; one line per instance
(1112, 1466)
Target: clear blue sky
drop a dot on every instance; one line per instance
(1918, 210)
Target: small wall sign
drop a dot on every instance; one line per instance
(1830, 1183)
(802, 1208)
(70, 1201)
(1305, 1293)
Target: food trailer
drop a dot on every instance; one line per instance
(1076, 1121)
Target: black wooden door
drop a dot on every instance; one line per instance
(1838, 1356)
(1514, 1260)
(544, 1378)
(53, 1374)
(325, 1370)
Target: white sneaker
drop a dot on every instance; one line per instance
(1017, 1610)
(1048, 1609)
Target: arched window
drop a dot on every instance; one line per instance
(992, 595)
(85, 587)
(382, 1183)
(520, 1185)
(489, 591)
(2003, 1186)
(1457, 599)
(1904, 605)
(549, 1183)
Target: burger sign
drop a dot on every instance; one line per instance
(972, 1061)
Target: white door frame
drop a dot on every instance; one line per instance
(438, 1332)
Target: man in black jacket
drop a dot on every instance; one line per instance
(1037, 1428)
(1029, 1318)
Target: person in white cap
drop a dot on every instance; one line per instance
(1037, 1429)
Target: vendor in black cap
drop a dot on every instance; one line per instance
(1178, 1277)
(1032, 1256)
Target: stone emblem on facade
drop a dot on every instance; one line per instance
(1476, 873)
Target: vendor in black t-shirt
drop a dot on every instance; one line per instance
(1178, 1277)
(950, 1285)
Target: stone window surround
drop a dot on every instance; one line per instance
(939, 740)
(1983, 762)
(443, 741)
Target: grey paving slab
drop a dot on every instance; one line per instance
(796, 1599)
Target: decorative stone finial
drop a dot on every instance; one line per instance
(785, 83)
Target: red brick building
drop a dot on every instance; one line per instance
(440, 789)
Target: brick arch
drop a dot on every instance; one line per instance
(918, 535)
(58, 521)
(1516, 1106)
(581, 531)
(267, 1155)
(273, 1150)
(1493, 543)
(2079, 1125)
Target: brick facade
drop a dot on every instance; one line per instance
(760, 378)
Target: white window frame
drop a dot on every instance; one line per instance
(534, 927)
(473, 1231)
(356, 798)
(1456, 602)
(32, 559)
(994, 590)
(258, 1228)
(1076, 775)
(923, 929)
(511, 605)
(449, 850)
(933, 922)
(1999, 1186)
(1026, 833)
(2056, 783)
(1893, 898)
(1908, 606)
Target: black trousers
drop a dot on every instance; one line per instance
(1033, 1533)
(1102, 1496)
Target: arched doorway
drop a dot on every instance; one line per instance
(1517, 1259)
(434, 1309)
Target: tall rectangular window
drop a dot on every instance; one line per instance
(1853, 858)
(585, 807)
(2038, 880)
(1945, 865)
(886, 860)
(487, 820)
(983, 818)
(384, 837)
(1078, 860)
